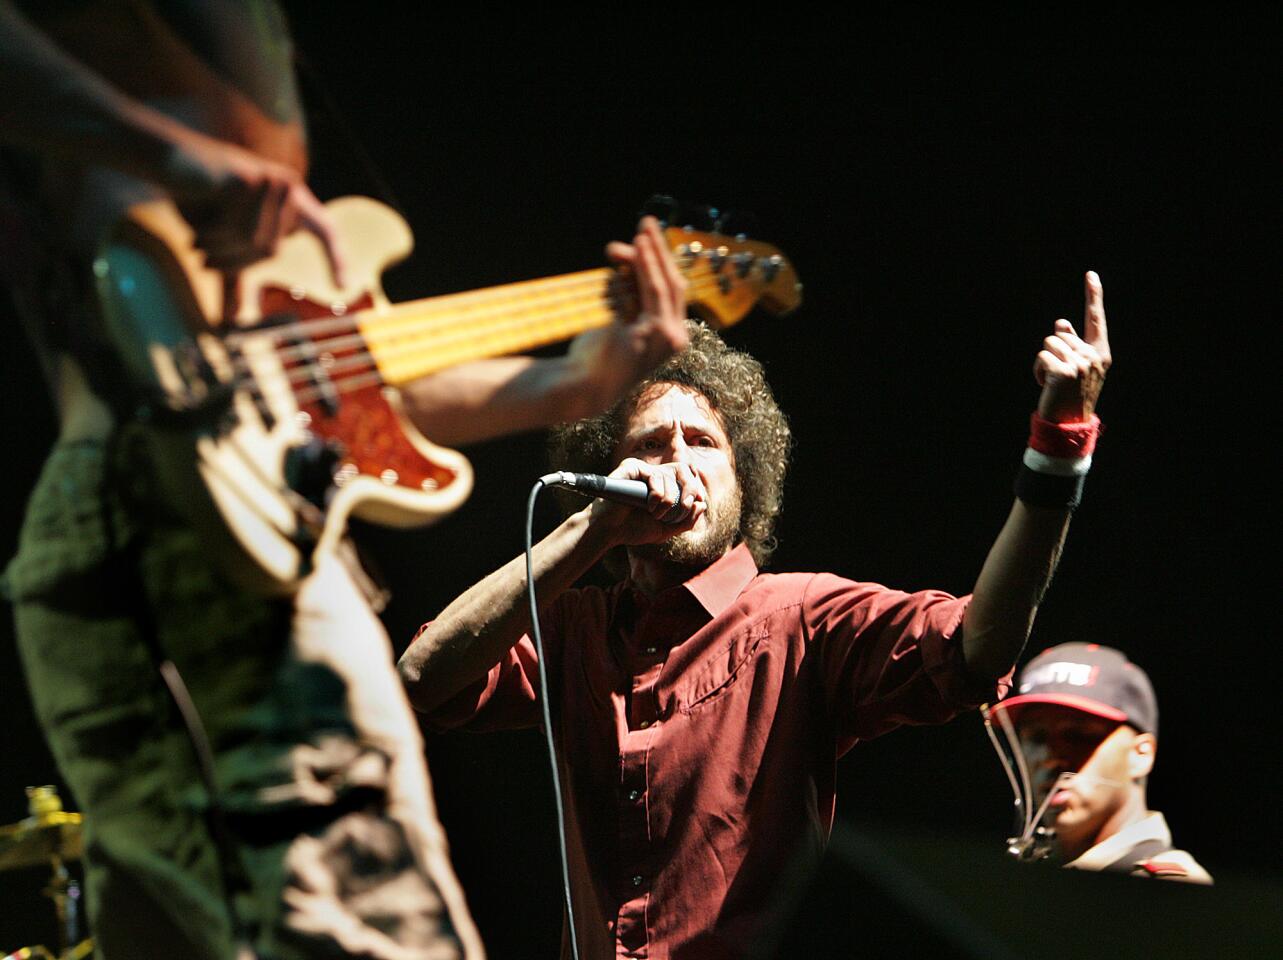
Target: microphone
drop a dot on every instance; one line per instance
(634, 493)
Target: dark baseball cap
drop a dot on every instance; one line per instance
(1091, 678)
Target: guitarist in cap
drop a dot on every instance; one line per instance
(329, 844)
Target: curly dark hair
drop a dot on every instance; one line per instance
(735, 386)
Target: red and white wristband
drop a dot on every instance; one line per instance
(1056, 462)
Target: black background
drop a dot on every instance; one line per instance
(941, 182)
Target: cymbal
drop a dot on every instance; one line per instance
(30, 953)
(39, 839)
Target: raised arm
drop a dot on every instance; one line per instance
(490, 398)
(474, 632)
(1071, 371)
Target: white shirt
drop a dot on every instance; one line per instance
(1168, 865)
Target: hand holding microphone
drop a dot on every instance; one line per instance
(670, 493)
(633, 493)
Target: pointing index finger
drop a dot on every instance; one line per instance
(1095, 330)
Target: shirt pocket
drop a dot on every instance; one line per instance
(725, 667)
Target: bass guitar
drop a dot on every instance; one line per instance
(274, 402)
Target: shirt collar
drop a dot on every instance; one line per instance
(1152, 827)
(718, 585)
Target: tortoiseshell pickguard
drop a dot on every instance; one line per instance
(366, 429)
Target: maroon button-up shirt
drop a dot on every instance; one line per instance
(698, 731)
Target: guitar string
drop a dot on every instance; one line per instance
(440, 334)
(365, 324)
(363, 327)
(360, 365)
(428, 346)
(418, 333)
(455, 307)
(287, 379)
(279, 384)
(450, 305)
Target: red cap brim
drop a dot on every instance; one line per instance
(1094, 707)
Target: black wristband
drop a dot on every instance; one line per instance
(1048, 490)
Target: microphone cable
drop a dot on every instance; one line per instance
(544, 701)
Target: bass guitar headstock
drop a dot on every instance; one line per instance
(728, 276)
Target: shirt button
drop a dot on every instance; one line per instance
(637, 880)
(652, 650)
(634, 794)
(644, 724)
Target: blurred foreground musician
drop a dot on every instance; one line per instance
(699, 705)
(335, 848)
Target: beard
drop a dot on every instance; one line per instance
(704, 544)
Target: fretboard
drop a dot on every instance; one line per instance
(422, 336)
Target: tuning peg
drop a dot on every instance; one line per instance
(662, 207)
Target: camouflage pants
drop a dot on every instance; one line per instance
(337, 851)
